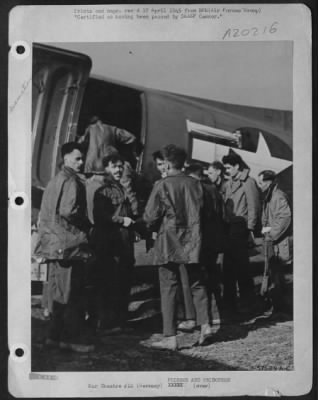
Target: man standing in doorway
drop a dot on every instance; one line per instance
(99, 140)
(242, 209)
(63, 243)
(98, 137)
(176, 203)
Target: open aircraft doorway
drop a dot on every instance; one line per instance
(114, 104)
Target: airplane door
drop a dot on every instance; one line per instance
(59, 78)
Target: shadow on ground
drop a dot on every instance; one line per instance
(133, 352)
(124, 352)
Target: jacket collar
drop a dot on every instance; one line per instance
(220, 183)
(178, 173)
(269, 192)
(244, 174)
(69, 171)
(109, 180)
(237, 182)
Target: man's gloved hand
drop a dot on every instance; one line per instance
(127, 222)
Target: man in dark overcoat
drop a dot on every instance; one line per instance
(63, 243)
(113, 239)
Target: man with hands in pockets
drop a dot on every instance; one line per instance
(276, 228)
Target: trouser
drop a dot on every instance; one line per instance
(214, 283)
(169, 278)
(236, 268)
(113, 286)
(277, 284)
(124, 281)
(47, 300)
(67, 281)
(185, 306)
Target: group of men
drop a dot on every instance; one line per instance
(88, 225)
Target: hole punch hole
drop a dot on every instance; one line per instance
(20, 49)
(19, 352)
(19, 201)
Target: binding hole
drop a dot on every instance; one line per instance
(19, 200)
(20, 49)
(19, 352)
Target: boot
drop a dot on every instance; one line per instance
(206, 334)
(167, 343)
(77, 347)
(186, 326)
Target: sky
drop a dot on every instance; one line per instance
(248, 73)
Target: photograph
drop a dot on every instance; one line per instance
(162, 206)
(160, 201)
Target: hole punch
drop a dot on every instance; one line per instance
(20, 49)
(19, 352)
(19, 201)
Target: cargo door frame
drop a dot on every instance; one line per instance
(55, 108)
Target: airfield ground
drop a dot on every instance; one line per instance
(253, 342)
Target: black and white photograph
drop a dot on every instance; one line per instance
(162, 226)
(238, 159)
